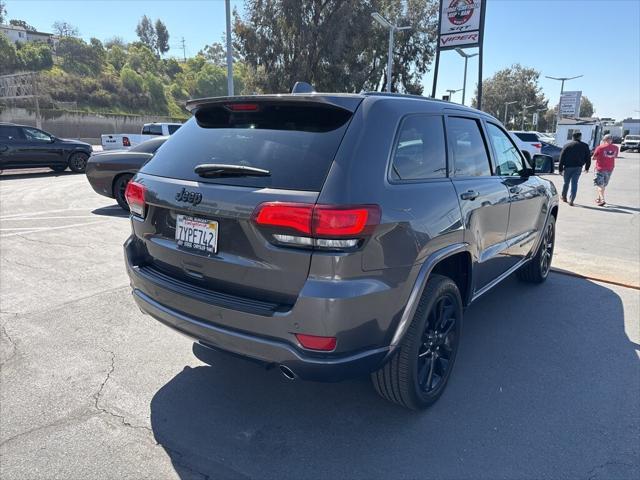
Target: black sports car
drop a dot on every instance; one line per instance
(22, 146)
(109, 172)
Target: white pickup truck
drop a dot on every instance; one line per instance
(124, 141)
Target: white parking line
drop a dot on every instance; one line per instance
(52, 228)
(26, 214)
(47, 218)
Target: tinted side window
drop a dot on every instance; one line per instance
(9, 134)
(420, 152)
(36, 135)
(468, 150)
(155, 129)
(146, 130)
(527, 137)
(173, 128)
(508, 160)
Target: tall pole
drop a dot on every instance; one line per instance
(561, 79)
(506, 108)
(480, 52)
(229, 52)
(390, 59)
(464, 85)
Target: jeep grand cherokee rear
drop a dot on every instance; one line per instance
(277, 228)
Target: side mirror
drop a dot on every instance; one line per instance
(543, 163)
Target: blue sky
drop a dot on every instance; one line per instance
(599, 39)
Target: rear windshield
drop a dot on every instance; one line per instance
(296, 143)
(527, 137)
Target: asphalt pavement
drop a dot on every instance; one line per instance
(547, 382)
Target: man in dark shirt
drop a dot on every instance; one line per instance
(573, 157)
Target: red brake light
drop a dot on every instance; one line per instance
(537, 145)
(290, 215)
(312, 342)
(242, 107)
(341, 222)
(126, 142)
(134, 194)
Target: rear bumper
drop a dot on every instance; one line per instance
(262, 349)
(270, 339)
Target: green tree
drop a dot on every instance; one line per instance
(172, 67)
(210, 81)
(64, 29)
(162, 37)
(23, 24)
(35, 56)
(214, 53)
(513, 84)
(586, 107)
(8, 55)
(76, 56)
(117, 57)
(131, 80)
(113, 41)
(141, 59)
(334, 44)
(146, 33)
(158, 100)
(3, 11)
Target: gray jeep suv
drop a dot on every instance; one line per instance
(335, 235)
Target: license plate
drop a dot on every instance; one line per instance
(197, 233)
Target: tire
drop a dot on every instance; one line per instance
(409, 377)
(537, 269)
(119, 187)
(58, 168)
(78, 162)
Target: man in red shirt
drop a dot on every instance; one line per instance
(605, 157)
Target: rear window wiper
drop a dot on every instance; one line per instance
(211, 170)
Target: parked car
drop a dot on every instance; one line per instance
(109, 172)
(545, 137)
(528, 141)
(22, 146)
(552, 150)
(333, 235)
(630, 142)
(124, 141)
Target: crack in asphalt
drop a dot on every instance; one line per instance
(15, 262)
(14, 348)
(57, 423)
(98, 394)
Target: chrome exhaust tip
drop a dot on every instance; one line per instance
(287, 372)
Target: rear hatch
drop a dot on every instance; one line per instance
(294, 139)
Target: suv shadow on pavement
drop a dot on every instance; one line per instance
(544, 388)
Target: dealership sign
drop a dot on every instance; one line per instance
(460, 23)
(570, 104)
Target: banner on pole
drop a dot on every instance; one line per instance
(461, 24)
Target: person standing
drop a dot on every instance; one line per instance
(605, 156)
(573, 157)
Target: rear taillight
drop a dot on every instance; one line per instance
(322, 226)
(537, 145)
(242, 107)
(126, 142)
(135, 194)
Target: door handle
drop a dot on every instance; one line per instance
(514, 190)
(469, 195)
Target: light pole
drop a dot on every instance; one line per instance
(524, 113)
(506, 107)
(392, 29)
(466, 59)
(562, 79)
(451, 92)
(229, 53)
(538, 116)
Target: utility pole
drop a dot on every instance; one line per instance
(451, 92)
(561, 79)
(392, 29)
(466, 57)
(524, 114)
(506, 108)
(184, 49)
(229, 51)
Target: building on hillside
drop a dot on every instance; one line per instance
(19, 34)
(631, 126)
(591, 129)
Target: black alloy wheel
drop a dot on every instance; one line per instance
(419, 369)
(439, 345)
(78, 162)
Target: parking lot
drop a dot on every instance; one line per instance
(546, 384)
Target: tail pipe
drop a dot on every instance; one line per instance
(287, 372)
